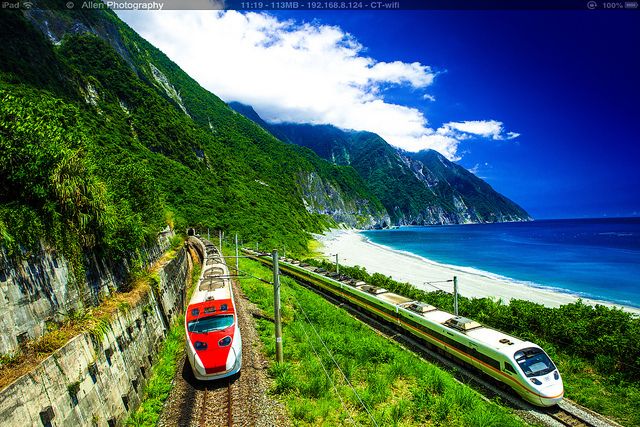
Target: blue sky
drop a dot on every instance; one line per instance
(542, 105)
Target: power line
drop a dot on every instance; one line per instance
(326, 372)
(435, 287)
(335, 363)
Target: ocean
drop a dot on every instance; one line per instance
(592, 258)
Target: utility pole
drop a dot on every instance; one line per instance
(236, 253)
(256, 246)
(276, 306)
(208, 236)
(284, 252)
(337, 265)
(220, 240)
(455, 295)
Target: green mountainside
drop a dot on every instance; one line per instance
(104, 141)
(415, 188)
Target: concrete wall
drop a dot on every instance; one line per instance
(41, 287)
(172, 292)
(90, 382)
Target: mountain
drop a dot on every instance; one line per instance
(455, 182)
(415, 188)
(104, 141)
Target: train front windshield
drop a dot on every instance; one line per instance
(534, 362)
(210, 324)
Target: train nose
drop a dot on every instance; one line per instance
(552, 394)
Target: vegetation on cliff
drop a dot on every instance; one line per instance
(97, 155)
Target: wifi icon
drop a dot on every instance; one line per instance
(27, 5)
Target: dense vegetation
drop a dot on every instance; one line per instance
(97, 155)
(393, 176)
(596, 348)
(395, 385)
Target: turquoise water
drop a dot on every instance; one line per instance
(593, 258)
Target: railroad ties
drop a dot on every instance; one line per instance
(216, 404)
(567, 413)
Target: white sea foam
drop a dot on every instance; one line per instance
(405, 266)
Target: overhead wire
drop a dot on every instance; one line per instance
(326, 372)
(335, 362)
(432, 284)
(335, 388)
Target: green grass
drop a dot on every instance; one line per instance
(159, 386)
(397, 387)
(598, 392)
(594, 347)
(161, 381)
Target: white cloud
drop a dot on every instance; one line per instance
(476, 128)
(478, 168)
(303, 73)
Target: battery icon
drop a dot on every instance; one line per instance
(631, 5)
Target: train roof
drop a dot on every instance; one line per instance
(215, 281)
(475, 331)
(215, 284)
(394, 298)
(495, 339)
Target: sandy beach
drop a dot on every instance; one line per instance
(354, 249)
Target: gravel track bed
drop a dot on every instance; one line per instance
(193, 403)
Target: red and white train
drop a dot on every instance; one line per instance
(214, 344)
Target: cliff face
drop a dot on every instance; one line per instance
(41, 287)
(322, 197)
(473, 199)
(415, 188)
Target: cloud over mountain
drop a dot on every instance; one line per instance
(303, 73)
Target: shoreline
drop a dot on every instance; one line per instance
(356, 249)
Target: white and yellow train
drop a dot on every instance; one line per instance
(522, 365)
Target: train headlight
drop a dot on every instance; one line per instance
(224, 342)
(556, 375)
(536, 381)
(199, 345)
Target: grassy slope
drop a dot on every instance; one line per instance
(398, 387)
(134, 170)
(595, 348)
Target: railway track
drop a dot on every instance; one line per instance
(568, 418)
(567, 413)
(571, 414)
(216, 406)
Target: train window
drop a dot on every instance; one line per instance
(486, 359)
(210, 324)
(534, 362)
(509, 368)
(211, 309)
(195, 312)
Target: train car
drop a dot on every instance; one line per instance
(214, 343)
(522, 365)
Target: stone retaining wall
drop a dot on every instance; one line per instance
(40, 287)
(94, 381)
